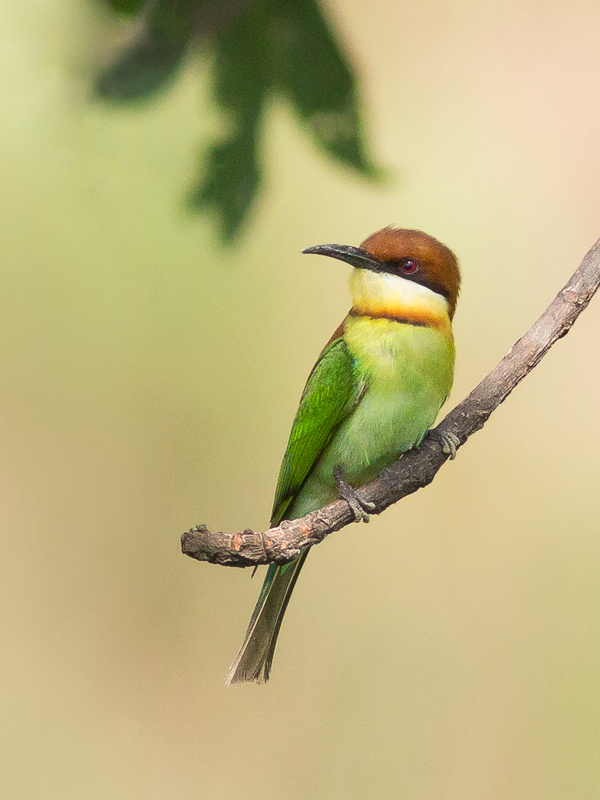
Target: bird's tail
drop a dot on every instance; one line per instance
(253, 662)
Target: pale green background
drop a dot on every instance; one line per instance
(149, 380)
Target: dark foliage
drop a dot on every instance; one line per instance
(259, 48)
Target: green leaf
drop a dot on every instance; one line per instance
(232, 178)
(126, 6)
(232, 174)
(312, 71)
(151, 60)
(259, 46)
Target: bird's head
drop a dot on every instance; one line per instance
(400, 273)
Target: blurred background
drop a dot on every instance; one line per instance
(150, 374)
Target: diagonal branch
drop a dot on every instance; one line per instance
(418, 467)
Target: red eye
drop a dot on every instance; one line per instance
(408, 266)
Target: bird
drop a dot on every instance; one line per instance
(372, 395)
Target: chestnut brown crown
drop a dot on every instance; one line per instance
(418, 257)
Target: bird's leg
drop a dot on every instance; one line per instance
(359, 507)
(450, 442)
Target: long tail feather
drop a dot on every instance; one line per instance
(253, 662)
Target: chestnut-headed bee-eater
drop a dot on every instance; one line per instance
(374, 392)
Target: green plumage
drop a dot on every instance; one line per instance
(372, 395)
(331, 394)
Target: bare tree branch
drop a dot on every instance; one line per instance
(418, 467)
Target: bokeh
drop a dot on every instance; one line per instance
(150, 377)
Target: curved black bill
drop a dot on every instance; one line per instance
(344, 252)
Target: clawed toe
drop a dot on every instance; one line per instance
(348, 493)
(450, 443)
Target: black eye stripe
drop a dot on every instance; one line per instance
(417, 275)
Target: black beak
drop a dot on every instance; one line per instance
(351, 255)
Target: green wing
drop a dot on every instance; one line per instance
(332, 391)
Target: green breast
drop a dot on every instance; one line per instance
(408, 372)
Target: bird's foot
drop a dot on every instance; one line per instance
(359, 507)
(450, 442)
